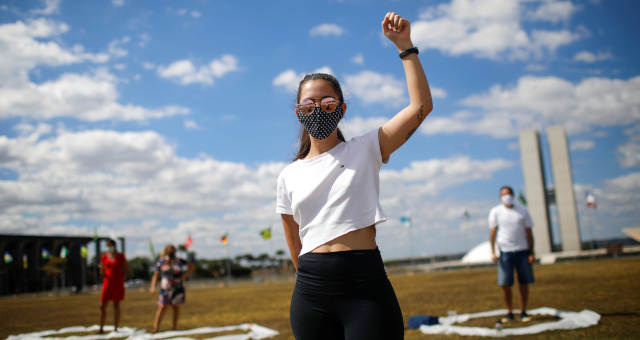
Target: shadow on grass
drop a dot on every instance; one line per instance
(490, 321)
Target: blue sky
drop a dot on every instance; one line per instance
(160, 119)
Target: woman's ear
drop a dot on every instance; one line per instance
(344, 109)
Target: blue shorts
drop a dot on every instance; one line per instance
(518, 260)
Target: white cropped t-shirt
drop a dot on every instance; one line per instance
(333, 193)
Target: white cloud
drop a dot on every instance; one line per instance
(89, 97)
(437, 92)
(25, 45)
(629, 152)
(325, 30)
(582, 145)
(487, 29)
(117, 3)
(535, 67)
(432, 176)
(116, 49)
(553, 11)
(289, 79)
(51, 7)
(144, 39)
(191, 125)
(193, 13)
(358, 126)
(536, 102)
(590, 58)
(148, 66)
(186, 73)
(119, 67)
(372, 87)
(358, 59)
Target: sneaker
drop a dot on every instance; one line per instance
(524, 317)
(508, 318)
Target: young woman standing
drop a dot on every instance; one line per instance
(114, 269)
(172, 271)
(329, 204)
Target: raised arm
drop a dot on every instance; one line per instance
(291, 233)
(398, 129)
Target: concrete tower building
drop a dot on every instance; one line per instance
(563, 185)
(534, 182)
(537, 195)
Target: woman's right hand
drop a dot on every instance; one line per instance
(398, 30)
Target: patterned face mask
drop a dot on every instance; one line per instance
(320, 124)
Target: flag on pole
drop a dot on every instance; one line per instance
(45, 253)
(224, 239)
(591, 200)
(25, 261)
(153, 253)
(405, 219)
(63, 252)
(188, 243)
(522, 199)
(84, 252)
(266, 233)
(7, 257)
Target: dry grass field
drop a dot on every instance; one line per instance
(610, 287)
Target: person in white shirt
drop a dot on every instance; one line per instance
(328, 199)
(510, 225)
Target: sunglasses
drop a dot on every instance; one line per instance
(327, 104)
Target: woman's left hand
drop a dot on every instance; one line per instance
(398, 30)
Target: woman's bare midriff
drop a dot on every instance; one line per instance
(364, 238)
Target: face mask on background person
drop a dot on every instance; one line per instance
(172, 255)
(507, 199)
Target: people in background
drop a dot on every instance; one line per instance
(114, 269)
(510, 226)
(172, 272)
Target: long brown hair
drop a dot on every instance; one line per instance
(305, 140)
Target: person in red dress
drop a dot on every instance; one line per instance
(113, 266)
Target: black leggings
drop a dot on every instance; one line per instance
(344, 295)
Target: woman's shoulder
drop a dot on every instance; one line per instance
(288, 169)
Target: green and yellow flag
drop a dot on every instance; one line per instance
(153, 253)
(266, 233)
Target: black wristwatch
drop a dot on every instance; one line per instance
(408, 51)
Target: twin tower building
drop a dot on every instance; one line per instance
(539, 196)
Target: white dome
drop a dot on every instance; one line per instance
(479, 254)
